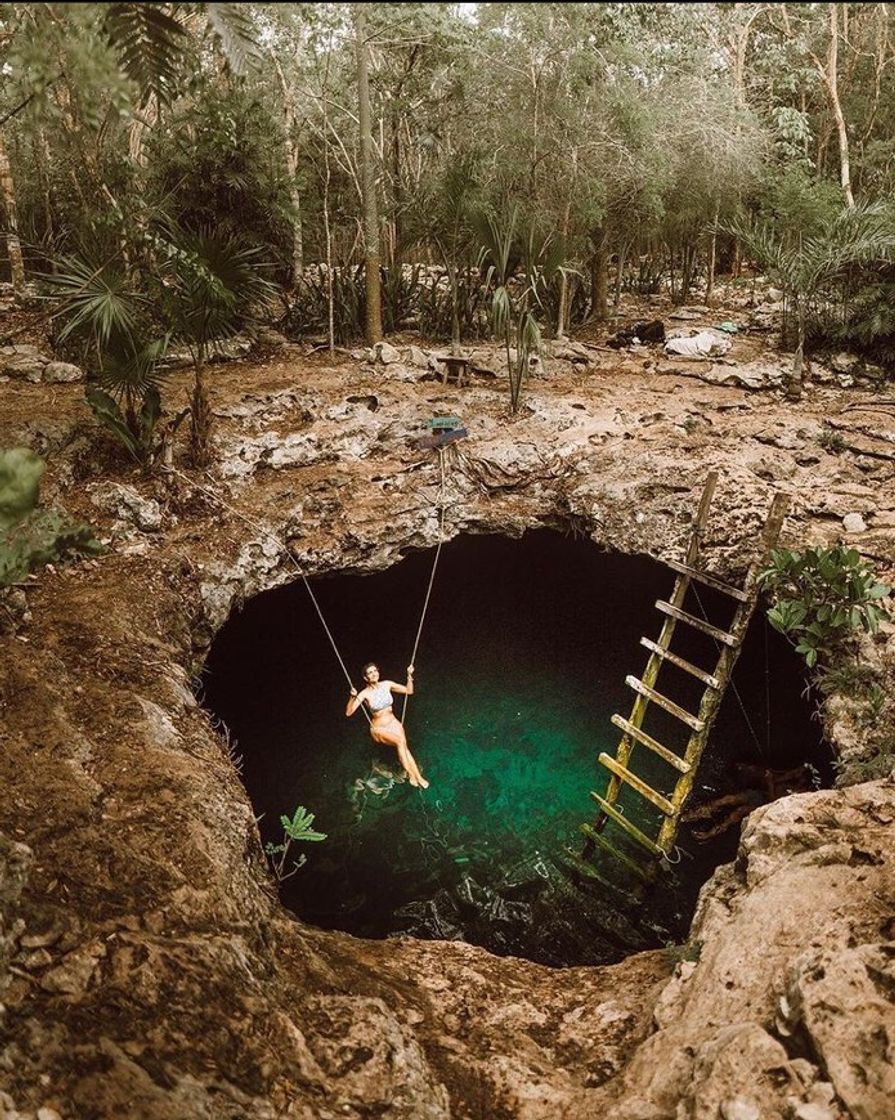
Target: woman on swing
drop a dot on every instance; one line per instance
(385, 727)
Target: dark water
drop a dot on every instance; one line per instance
(522, 661)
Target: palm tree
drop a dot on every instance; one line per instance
(512, 313)
(811, 268)
(212, 286)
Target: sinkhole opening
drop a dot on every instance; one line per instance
(522, 662)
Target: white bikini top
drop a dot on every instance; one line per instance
(380, 698)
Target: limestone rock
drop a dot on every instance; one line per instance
(845, 362)
(844, 1001)
(15, 861)
(810, 1111)
(23, 361)
(271, 339)
(740, 1108)
(419, 358)
(854, 523)
(73, 975)
(385, 353)
(125, 503)
(62, 372)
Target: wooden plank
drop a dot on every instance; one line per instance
(631, 893)
(597, 838)
(652, 744)
(702, 516)
(697, 623)
(687, 666)
(708, 580)
(673, 709)
(637, 784)
(632, 830)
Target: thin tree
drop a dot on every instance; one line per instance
(373, 318)
(13, 245)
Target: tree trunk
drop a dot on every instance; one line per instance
(200, 415)
(713, 252)
(599, 275)
(292, 154)
(455, 309)
(620, 273)
(832, 80)
(794, 384)
(13, 245)
(562, 314)
(373, 321)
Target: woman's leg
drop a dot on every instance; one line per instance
(394, 735)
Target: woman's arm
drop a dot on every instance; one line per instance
(403, 689)
(355, 700)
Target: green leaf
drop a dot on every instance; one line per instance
(150, 44)
(20, 473)
(106, 410)
(234, 32)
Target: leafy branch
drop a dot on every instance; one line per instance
(296, 828)
(821, 597)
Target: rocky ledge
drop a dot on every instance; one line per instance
(146, 967)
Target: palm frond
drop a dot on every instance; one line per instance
(231, 25)
(97, 299)
(149, 43)
(216, 282)
(130, 367)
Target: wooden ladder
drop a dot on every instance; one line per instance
(684, 766)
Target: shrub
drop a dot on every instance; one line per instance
(821, 597)
(30, 537)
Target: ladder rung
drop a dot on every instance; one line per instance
(637, 783)
(693, 670)
(696, 623)
(709, 581)
(597, 838)
(632, 830)
(670, 757)
(691, 721)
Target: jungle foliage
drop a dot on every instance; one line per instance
(821, 597)
(660, 145)
(31, 537)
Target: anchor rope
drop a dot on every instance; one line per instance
(731, 681)
(419, 628)
(284, 548)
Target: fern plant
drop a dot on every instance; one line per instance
(296, 827)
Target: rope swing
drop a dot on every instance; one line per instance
(419, 628)
(283, 547)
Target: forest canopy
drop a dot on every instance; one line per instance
(645, 146)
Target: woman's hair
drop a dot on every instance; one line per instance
(369, 665)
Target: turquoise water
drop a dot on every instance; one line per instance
(522, 662)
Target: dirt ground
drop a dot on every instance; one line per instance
(151, 971)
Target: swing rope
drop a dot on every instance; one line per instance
(284, 548)
(419, 628)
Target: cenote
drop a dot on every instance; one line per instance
(522, 662)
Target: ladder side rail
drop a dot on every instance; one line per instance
(649, 678)
(654, 663)
(711, 700)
